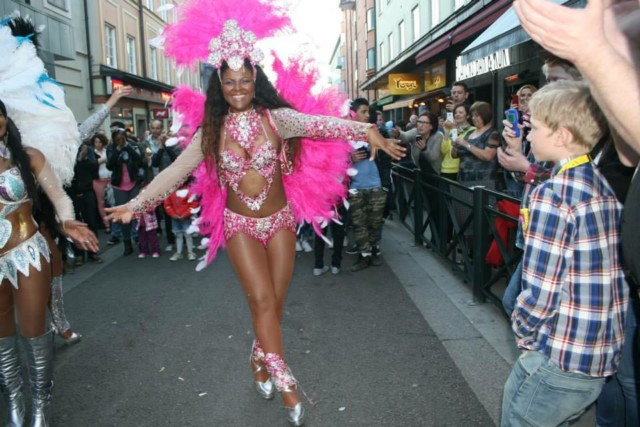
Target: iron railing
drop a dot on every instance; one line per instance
(459, 224)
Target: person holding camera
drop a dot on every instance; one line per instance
(426, 148)
(124, 161)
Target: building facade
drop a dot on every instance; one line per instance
(125, 51)
(92, 47)
(423, 46)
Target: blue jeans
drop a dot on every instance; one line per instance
(513, 290)
(618, 402)
(538, 393)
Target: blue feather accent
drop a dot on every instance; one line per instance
(22, 39)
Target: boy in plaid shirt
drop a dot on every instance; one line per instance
(569, 317)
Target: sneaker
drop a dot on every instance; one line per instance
(353, 249)
(113, 241)
(375, 259)
(169, 248)
(176, 256)
(306, 246)
(361, 263)
(335, 270)
(320, 271)
(142, 255)
(376, 250)
(298, 246)
(95, 258)
(155, 255)
(191, 256)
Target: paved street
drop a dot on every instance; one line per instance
(166, 346)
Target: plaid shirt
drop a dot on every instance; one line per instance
(574, 295)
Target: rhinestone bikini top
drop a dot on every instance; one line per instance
(234, 167)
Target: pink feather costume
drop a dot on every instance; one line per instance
(315, 183)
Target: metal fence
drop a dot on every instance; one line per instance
(459, 224)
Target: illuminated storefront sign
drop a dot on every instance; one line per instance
(489, 63)
(404, 84)
(435, 76)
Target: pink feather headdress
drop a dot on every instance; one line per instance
(222, 30)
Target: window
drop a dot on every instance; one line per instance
(167, 71)
(435, 12)
(150, 4)
(401, 36)
(110, 46)
(458, 4)
(60, 4)
(131, 55)
(371, 59)
(164, 14)
(188, 78)
(355, 76)
(415, 20)
(153, 62)
(380, 6)
(371, 20)
(382, 56)
(390, 46)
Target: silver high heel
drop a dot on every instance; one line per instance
(285, 383)
(265, 389)
(73, 339)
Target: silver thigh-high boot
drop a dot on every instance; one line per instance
(59, 321)
(39, 352)
(11, 381)
(285, 383)
(265, 389)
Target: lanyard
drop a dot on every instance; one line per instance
(581, 160)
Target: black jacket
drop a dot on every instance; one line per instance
(84, 172)
(130, 156)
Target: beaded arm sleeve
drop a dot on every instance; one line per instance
(93, 122)
(52, 188)
(169, 179)
(292, 124)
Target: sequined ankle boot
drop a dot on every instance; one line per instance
(285, 383)
(11, 381)
(265, 389)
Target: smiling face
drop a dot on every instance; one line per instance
(238, 89)
(460, 115)
(524, 96)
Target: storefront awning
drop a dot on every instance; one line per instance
(504, 33)
(399, 104)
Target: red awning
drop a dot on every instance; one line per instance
(476, 23)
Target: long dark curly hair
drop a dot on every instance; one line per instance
(266, 97)
(19, 156)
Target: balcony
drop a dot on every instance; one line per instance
(348, 4)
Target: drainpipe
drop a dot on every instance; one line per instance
(143, 51)
(89, 56)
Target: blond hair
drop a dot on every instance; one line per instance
(569, 104)
(532, 88)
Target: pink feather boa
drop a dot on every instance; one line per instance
(318, 181)
(187, 41)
